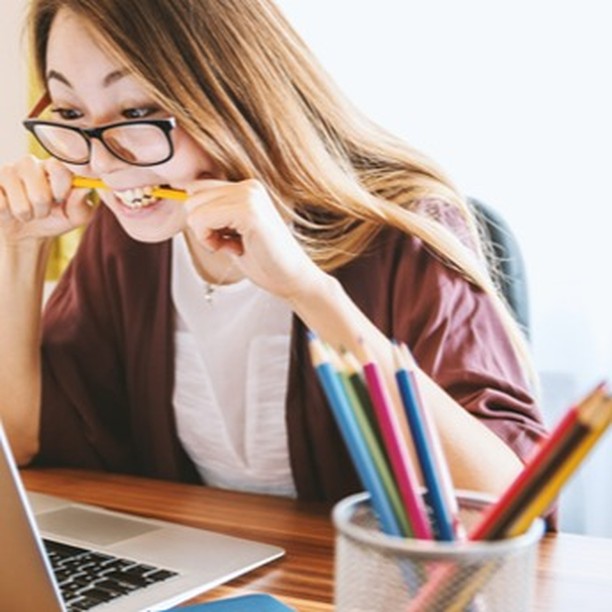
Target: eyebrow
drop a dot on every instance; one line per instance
(109, 79)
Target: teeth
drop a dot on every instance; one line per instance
(140, 197)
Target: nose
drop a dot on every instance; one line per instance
(101, 160)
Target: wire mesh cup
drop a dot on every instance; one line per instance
(375, 572)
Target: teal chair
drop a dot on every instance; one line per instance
(511, 276)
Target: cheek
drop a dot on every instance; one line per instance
(189, 160)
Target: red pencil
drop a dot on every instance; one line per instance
(498, 513)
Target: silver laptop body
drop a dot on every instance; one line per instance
(196, 560)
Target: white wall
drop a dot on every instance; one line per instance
(14, 79)
(513, 100)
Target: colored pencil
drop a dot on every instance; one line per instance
(599, 422)
(442, 469)
(565, 436)
(355, 376)
(567, 446)
(355, 444)
(381, 462)
(396, 445)
(466, 599)
(421, 437)
(159, 192)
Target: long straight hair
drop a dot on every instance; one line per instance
(241, 81)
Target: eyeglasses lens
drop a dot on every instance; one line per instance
(139, 143)
(65, 144)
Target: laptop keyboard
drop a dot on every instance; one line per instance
(87, 579)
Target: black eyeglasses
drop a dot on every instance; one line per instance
(141, 142)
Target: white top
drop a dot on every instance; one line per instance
(232, 362)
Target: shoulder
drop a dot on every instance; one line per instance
(446, 223)
(396, 254)
(460, 222)
(399, 282)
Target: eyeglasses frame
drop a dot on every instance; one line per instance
(165, 125)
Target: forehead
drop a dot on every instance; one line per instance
(76, 58)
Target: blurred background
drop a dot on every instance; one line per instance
(514, 101)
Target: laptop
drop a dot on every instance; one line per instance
(60, 556)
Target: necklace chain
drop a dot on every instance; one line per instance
(211, 288)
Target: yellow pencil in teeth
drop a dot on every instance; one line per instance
(157, 192)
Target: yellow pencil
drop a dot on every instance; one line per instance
(158, 192)
(469, 593)
(599, 423)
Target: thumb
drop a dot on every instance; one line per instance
(202, 191)
(79, 206)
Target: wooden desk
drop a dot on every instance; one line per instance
(574, 572)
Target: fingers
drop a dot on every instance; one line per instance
(234, 205)
(60, 179)
(37, 190)
(204, 191)
(31, 187)
(78, 207)
(5, 213)
(224, 239)
(213, 214)
(37, 200)
(16, 203)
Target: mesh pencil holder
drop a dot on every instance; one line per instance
(375, 572)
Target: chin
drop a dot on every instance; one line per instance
(153, 224)
(150, 235)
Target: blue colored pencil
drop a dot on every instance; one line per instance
(357, 448)
(441, 514)
(442, 469)
(360, 403)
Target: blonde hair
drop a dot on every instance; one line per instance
(241, 81)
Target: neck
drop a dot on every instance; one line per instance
(218, 268)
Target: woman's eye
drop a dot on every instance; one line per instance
(139, 113)
(67, 114)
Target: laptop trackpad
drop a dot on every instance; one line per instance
(90, 526)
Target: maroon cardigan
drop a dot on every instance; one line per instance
(108, 359)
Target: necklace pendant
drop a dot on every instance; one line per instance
(208, 296)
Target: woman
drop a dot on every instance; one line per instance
(175, 344)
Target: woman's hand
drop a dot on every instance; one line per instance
(241, 219)
(37, 201)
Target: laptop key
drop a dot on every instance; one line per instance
(60, 549)
(82, 604)
(97, 558)
(101, 595)
(124, 578)
(114, 586)
(117, 564)
(161, 574)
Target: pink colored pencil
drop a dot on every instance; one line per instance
(396, 445)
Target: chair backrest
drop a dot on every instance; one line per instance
(510, 277)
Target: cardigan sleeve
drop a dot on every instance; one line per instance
(458, 338)
(108, 360)
(83, 404)
(453, 330)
